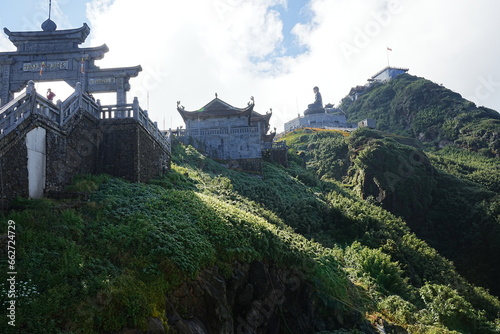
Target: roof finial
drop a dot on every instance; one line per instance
(49, 25)
(215, 95)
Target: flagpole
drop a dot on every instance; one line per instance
(387, 50)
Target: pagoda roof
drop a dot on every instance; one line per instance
(78, 36)
(256, 117)
(216, 109)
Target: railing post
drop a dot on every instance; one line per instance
(135, 108)
(79, 91)
(31, 87)
(99, 109)
(61, 112)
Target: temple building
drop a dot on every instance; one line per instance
(387, 74)
(332, 118)
(384, 75)
(221, 131)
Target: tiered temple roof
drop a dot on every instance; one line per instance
(215, 109)
(220, 109)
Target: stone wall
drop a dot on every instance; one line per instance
(85, 145)
(119, 149)
(153, 159)
(72, 150)
(13, 167)
(321, 120)
(227, 146)
(129, 151)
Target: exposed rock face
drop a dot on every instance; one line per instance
(257, 298)
(399, 177)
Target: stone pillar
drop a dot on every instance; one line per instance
(5, 94)
(30, 88)
(135, 108)
(78, 88)
(121, 93)
(121, 96)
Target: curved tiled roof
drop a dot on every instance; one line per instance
(215, 109)
(78, 35)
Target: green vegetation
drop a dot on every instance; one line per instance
(109, 263)
(454, 215)
(469, 166)
(418, 108)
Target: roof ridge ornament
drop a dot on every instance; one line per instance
(49, 25)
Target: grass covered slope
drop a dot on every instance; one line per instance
(113, 261)
(435, 194)
(419, 108)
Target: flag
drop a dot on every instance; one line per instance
(42, 67)
(82, 67)
(389, 49)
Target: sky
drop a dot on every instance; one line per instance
(276, 50)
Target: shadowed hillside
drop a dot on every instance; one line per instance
(212, 250)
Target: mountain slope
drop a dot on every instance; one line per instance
(437, 116)
(214, 250)
(458, 217)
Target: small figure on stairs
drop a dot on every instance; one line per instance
(50, 95)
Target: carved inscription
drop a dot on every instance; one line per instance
(101, 81)
(47, 66)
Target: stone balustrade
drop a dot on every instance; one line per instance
(217, 131)
(14, 112)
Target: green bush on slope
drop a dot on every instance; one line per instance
(130, 245)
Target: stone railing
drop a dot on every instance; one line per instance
(217, 131)
(135, 111)
(19, 109)
(78, 101)
(14, 112)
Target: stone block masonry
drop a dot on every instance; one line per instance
(84, 145)
(129, 151)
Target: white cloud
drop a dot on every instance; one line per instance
(191, 49)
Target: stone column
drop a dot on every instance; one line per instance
(121, 96)
(30, 88)
(6, 94)
(121, 93)
(135, 108)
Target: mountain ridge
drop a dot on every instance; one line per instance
(418, 108)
